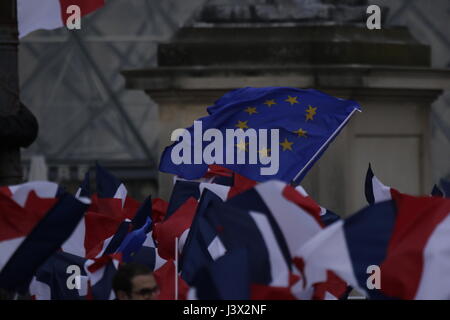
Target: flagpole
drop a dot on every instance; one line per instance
(330, 138)
(176, 268)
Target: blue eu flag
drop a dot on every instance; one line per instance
(306, 122)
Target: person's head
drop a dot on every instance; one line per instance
(135, 281)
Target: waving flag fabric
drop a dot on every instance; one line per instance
(110, 209)
(227, 278)
(408, 238)
(42, 189)
(134, 241)
(166, 232)
(272, 221)
(183, 190)
(445, 187)
(148, 255)
(112, 244)
(108, 186)
(101, 272)
(49, 14)
(437, 192)
(308, 121)
(237, 228)
(25, 249)
(51, 279)
(375, 190)
(202, 244)
(296, 217)
(328, 217)
(164, 277)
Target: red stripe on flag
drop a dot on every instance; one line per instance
(165, 232)
(159, 210)
(164, 277)
(99, 227)
(334, 285)
(103, 261)
(215, 170)
(86, 6)
(417, 218)
(240, 185)
(6, 191)
(16, 221)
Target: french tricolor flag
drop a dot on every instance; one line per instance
(50, 14)
(375, 190)
(407, 238)
(28, 238)
(110, 211)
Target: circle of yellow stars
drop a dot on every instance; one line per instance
(310, 112)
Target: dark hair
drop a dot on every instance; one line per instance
(126, 272)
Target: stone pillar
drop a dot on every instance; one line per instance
(308, 44)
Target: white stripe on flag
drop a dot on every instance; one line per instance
(182, 240)
(40, 290)
(301, 190)
(104, 246)
(192, 294)
(121, 193)
(380, 191)
(435, 280)
(328, 251)
(75, 244)
(38, 14)
(83, 291)
(7, 249)
(42, 189)
(329, 296)
(297, 225)
(149, 242)
(216, 248)
(96, 276)
(159, 262)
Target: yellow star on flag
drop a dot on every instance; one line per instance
(242, 145)
(269, 103)
(286, 144)
(251, 110)
(242, 124)
(310, 113)
(292, 100)
(264, 152)
(301, 133)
